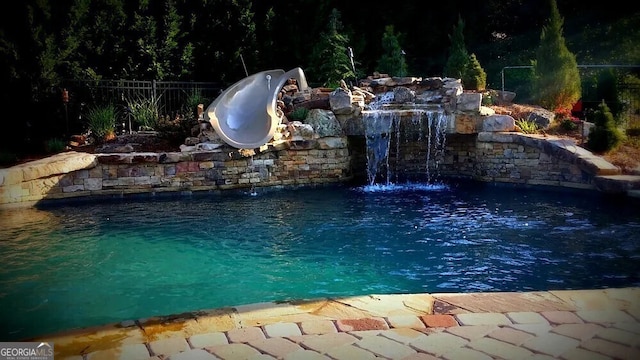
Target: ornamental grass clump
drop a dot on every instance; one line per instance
(527, 126)
(144, 111)
(101, 121)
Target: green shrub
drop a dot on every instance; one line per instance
(101, 120)
(604, 136)
(568, 125)
(145, 112)
(53, 146)
(299, 114)
(474, 77)
(192, 101)
(458, 59)
(527, 126)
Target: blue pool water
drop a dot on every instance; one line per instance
(87, 263)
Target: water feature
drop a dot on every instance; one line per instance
(87, 263)
(388, 125)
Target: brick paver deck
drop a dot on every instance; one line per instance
(569, 324)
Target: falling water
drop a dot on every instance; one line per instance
(383, 126)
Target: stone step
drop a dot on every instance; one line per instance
(619, 184)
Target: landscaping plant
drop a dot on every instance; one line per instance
(101, 121)
(604, 136)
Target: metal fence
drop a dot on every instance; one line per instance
(172, 98)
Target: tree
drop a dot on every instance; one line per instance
(329, 60)
(604, 136)
(458, 60)
(461, 65)
(160, 52)
(475, 78)
(556, 82)
(223, 34)
(607, 91)
(392, 61)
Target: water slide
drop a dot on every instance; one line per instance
(246, 114)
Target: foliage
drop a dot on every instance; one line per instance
(474, 76)
(557, 80)
(54, 145)
(330, 59)
(101, 120)
(487, 99)
(604, 136)
(299, 114)
(527, 126)
(48, 41)
(392, 61)
(162, 53)
(607, 91)
(458, 60)
(568, 125)
(144, 111)
(194, 98)
(462, 65)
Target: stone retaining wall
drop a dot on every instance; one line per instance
(498, 157)
(72, 174)
(486, 156)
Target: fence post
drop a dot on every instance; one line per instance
(153, 91)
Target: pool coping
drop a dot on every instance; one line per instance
(179, 335)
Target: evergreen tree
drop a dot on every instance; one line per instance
(160, 52)
(461, 65)
(329, 60)
(475, 78)
(29, 54)
(557, 80)
(458, 60)
(392, 61)
(223, 34)
(104, 48)
(607, 91)
(604, 136)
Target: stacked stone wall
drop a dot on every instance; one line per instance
(120, 174)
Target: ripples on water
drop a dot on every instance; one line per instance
(83, 264)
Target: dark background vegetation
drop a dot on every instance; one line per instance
(43, 42)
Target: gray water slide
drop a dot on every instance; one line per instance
(246, 114)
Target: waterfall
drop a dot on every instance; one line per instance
(378, 127)
(386, 127)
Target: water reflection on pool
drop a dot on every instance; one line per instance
(80, 264)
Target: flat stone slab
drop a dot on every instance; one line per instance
(617, 184)
(62, 163)
(501, 302)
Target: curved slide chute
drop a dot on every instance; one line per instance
(246, 114)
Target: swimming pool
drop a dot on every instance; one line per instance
(89, 263)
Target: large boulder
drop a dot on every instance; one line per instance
(324, 123)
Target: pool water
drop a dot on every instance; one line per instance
(90, 263)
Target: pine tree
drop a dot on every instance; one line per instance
(160, 51)
(392, 61)
(607, 90)
(556, 77)
(475, 78)
(458, 59)
(329, 59)
(604, 136)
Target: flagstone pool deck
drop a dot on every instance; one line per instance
(565, 324)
